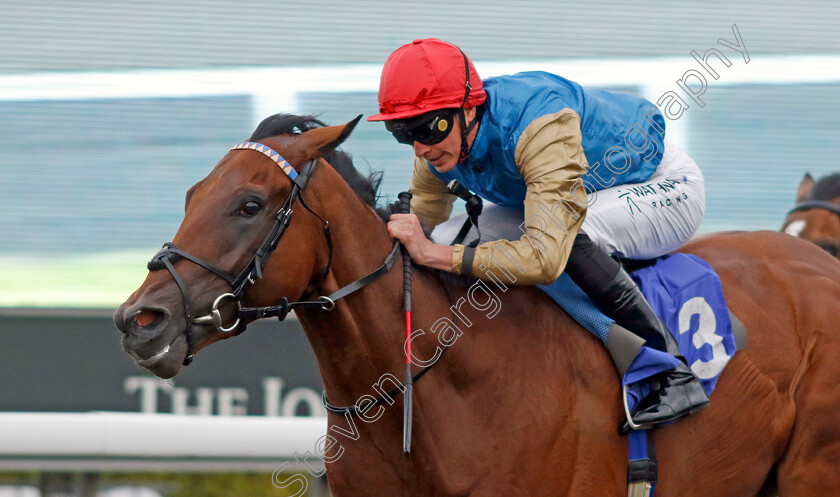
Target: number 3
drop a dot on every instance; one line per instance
(705, 334)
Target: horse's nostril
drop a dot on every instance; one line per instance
(146, 317)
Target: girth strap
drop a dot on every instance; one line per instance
(642, 470)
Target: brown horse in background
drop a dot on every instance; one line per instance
(816, 215)
(524, 402)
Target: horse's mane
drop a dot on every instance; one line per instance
(365, 187)
(827, 188)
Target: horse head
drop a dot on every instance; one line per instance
(219, 258)
(816, 215)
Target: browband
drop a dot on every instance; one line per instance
(271, 154)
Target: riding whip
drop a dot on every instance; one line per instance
(405, 207)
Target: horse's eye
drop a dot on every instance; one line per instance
(250, 209)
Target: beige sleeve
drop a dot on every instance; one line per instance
(550, 157)
(431, 200)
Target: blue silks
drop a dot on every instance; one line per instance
(570, 297)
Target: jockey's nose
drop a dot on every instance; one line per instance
(420, 149)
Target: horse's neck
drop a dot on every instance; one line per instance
(362, 340)
(363, 335)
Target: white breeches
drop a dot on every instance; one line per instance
(637, 220)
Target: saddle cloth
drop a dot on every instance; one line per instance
(687, 294)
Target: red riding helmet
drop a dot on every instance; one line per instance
(427, 75)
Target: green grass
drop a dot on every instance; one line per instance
(88, 281)
(180, 484)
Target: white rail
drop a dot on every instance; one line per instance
(274, 89)
(109, 441)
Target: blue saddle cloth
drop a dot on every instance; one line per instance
(687, 294)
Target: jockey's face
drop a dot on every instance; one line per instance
(444, 156)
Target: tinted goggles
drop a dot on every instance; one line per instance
(429, 128)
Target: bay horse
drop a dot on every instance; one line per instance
(524, 402)
(816, 215)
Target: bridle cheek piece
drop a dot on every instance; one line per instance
(169, 254)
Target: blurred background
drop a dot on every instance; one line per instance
(110, 111)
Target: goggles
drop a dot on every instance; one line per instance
(429, 128)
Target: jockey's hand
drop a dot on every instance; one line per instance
(406, 228)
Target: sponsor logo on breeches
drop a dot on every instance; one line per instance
(660, 194)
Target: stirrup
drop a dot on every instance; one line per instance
(630, 422)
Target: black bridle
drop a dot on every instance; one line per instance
(815, 204)
(170, 254)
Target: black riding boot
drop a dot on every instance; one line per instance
(679, 391)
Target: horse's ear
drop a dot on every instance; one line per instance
(345, 132)
(318, 142)
(805, 188)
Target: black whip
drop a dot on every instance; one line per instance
(405, 208)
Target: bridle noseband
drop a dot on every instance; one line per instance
(170, 254)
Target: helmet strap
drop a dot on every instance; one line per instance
(465, 130)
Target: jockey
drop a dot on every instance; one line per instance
(535, 144)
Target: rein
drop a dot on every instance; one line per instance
(327, 302)
(815, 204)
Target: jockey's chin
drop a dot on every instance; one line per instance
(444, 166)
